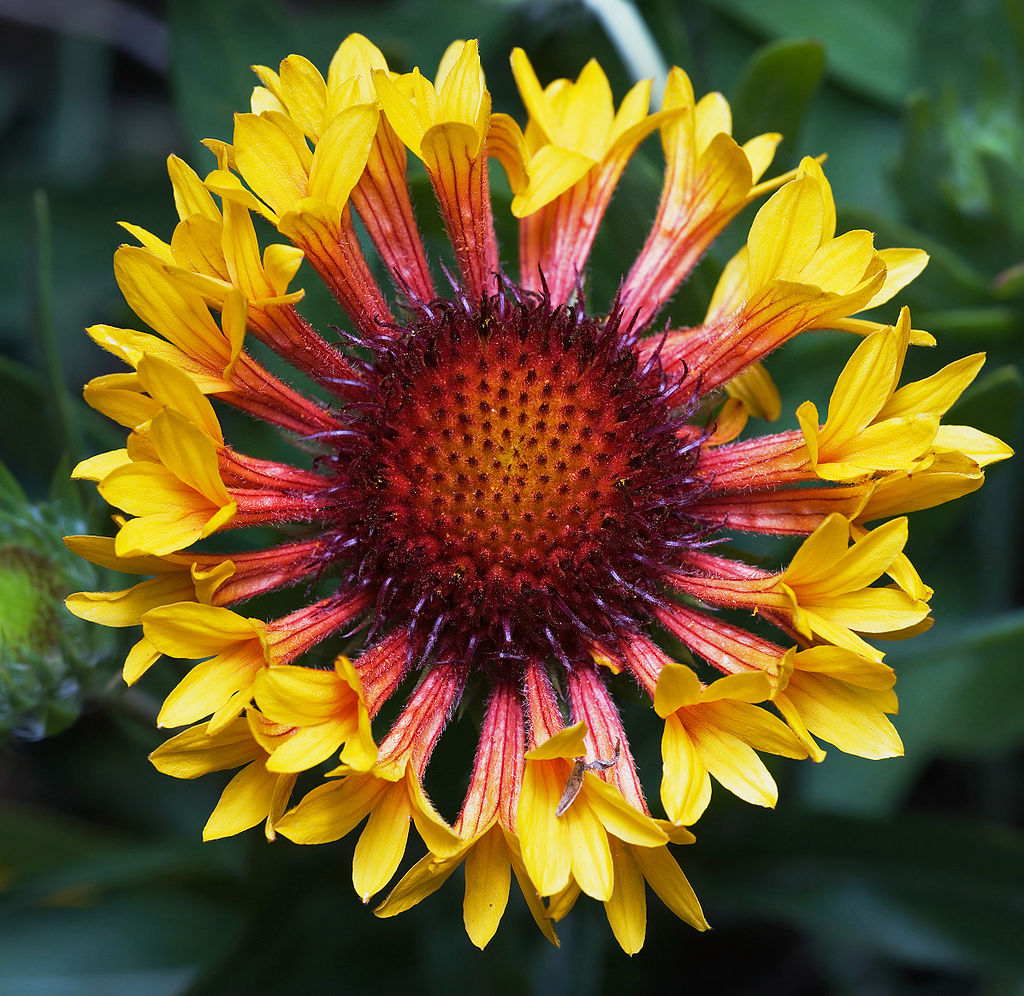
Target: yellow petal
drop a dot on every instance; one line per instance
(901, 266)
(735, 764)
(626, 908)
(760, 151)
(864, 386)
(982, 448)
(871, 610)
(533, 94)
(620, 817)
(245, 802)
(382, 843)
(140, 659)
(341, 154)
(169, 307)
(544, 839)
(273, 158)
(126, 608)
(685, 784)
(505, 143)
(306, 749)
(752, 686)
(208, 687)
(195, 630)
(567, 743)
(712, 117)
(839, 663)
(760, 728)
(305, 94)
(786, 232)
(355, 56)
(936, 394)
(488, 877)
(845, 716)
(551, 172)
(400, 111)
(462, 94)
(299, 696)
(840, 264)
(190, 196)
(171, 386)
(590, 855)
(677, 686)
(99, 467)
(280, 264)
(189, 454)
(194, 752)
(756, 389)
(587, 113)
(331, 810)
(669, 884)
(422, 880)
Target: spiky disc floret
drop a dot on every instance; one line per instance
(523, 481)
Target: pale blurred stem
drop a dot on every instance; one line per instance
(628, 32)
(47, 331)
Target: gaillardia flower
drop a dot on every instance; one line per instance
(516, 503)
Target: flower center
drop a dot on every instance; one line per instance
(523, 481)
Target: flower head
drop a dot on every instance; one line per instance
(510, 498)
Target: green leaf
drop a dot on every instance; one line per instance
(213, 46)
(145, 942)
(991, 404)
(776, 88)
(130, 916)
(867, 42)
(933, 891)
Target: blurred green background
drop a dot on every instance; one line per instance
(903, 876)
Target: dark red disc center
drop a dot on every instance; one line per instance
(514, 476)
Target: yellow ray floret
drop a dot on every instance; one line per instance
(872, 426)
(192, 340)
(633, 866)
(949, 476)
(575, 843)
(842, 698)
(134, 400)
(432, 121)
(329, 709)
(827, 588)
(271, 154)
(795, 274)
(716, 730)
(237, 649)
(177, 498)
(254, 794)
(574, 127)
(390, 797)
(178, 578)
(490, 857)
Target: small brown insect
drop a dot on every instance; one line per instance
(575, 780)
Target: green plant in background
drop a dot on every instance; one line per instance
(50, 664)
(913, 862)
